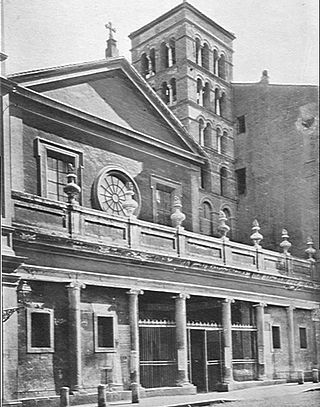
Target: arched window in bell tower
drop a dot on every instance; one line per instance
(207, 136)
(201, 132)
(217, 101)
(153, 61)
(173, 91)
(205, 56)
(224, 143)
(144, 65)
(222, 104)
(199, 92)
(222, 67)
(215, 61)
(223, 181)
(206, 95)
(198, 52)
(163, 55)
(165, 93)
(171, 49)
(219, 135)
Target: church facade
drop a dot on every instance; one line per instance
(121, 260)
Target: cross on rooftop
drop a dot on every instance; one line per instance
(111, 29)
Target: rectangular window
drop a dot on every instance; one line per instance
(241, 124)
(164, 205)
(276, 344)
(104, 327)
(303, 338)
(164, 191)
(39, 330)
(241, 181)
(53, 165)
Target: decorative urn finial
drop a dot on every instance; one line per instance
(285, 244)
(256, 237)
(177, 217)
(311, 251)
(129, 205)
(223, 227)
(72, 189)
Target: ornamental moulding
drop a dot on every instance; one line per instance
(138, 257)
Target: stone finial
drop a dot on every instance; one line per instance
(112, 50)
(285, 244)
(129, 205)
(72, 189)
(310, 250)
(256, 237)
(223, 227)
(265, 77)
(177, 217)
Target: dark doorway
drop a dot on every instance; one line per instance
(198, 359)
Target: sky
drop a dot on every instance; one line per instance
(278, 35)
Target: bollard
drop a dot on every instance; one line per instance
(64, 397)
(102, 397)
(315, 375)
(300, 377)
(135, 392)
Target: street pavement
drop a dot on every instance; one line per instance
(281, 395)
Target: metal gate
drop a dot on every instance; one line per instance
(158, 364)
(205, 355)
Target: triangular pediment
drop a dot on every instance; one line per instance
(112, 91)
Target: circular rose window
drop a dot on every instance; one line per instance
(109, 191)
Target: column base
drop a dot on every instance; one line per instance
(224, 387)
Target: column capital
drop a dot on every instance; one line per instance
(228, 300)
(261, 304)
(290, 308)
(182, 296)
(76, 285)
(135, 291)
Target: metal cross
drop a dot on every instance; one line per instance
(111, 29)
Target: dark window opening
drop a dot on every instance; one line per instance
(223, 181)
(57, 170)
(241, 124)
(105, 332)
(40, 330)
(276, 337)
(164, 205)
(241, 181)
(303, 338)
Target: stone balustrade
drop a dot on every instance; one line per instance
(41, 216)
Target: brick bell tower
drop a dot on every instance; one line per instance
(187, 59)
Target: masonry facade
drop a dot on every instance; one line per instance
(115, 271)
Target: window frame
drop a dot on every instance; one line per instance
(45, 349)
(43, 150)
(241, 175)
(105, 314)
(303, 340)
(174, 187)
(241, 124)
(276, 328)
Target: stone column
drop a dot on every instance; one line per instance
(227, 339)
(291, 341)
(134, 335)
(74, 291)
(181, 338)
(260, 340)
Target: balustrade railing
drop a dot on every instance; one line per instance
(44, 216)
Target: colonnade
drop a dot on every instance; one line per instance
(74, 290)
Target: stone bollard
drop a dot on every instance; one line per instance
(64, 397)
(135, 392)
(300, 377)
(315, 375)
(102, 397)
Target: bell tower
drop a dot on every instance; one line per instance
(187, 59)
